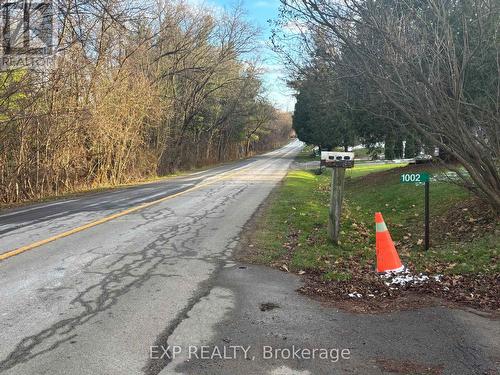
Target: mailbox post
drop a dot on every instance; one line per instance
(338, 161)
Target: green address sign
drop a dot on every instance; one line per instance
(411, 178)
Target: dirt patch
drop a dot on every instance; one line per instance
(407, 367)
(408, 302)
(369, 293)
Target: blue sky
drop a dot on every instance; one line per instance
(258, 12)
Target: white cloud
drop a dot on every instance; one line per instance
(296, 27)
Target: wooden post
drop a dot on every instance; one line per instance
(337, 194)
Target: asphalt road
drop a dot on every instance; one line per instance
(95, 301)
(109, 298)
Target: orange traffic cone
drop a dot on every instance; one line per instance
(387, 256)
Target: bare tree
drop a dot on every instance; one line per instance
(135, 89)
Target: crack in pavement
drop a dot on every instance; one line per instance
(114, 271)
(119, 278)
(155, 366)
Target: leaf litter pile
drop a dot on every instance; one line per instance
(366, 291)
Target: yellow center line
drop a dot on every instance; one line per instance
(33, 245)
